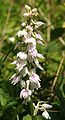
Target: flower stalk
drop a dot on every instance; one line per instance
(28, 60)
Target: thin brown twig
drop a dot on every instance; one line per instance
(53, 111)
(62, 41)
(58, 71)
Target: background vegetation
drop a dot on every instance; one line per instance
(52, 13)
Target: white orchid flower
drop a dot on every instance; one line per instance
(22, 55)
(15, 79)
(38, 36)
(20, 64)
(34, 81)
(21, 33)
(25, 93)
(30, 40)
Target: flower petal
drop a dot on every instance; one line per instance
(37, 63)
(12, 39)
(21, 33)
(40, 56)
(25, 93)
(22, 55)
(47, 106)
(46, 115)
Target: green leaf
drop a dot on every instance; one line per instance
(27, 117)
(4, 97)
(57, 32)
(39, 117)
(10, 104)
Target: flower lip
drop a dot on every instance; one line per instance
(34, 77)
(47, 106)
(25, 93)
(20, 64)
(30, 40)
(38, 36)
(22, 55)
(21, 33)
(46, 115)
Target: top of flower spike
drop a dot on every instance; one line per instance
(30, 12)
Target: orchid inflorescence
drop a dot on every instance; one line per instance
(28, 60)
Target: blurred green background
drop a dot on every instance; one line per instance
(52, 13)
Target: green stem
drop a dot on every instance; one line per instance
(31, 107)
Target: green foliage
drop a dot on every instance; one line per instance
(27, 117)
(57, 32)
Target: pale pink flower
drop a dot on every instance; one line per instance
(22, 55)
(46, 106)
(20, 64)
(34, 81)
(38, 36)
(15, 79)
(21, 61)
(37, 23)
(25, 93)
(30, 40)
(34, 77)
(30, 47)
(21, 33)
(28, 27)
(32, 52)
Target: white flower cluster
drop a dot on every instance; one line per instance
(42, 106)
(30, 57)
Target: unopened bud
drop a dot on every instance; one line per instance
(27, 7)
(34, 10)
(23, 24)
(28, 14)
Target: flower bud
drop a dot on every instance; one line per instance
(23, 24)
(12, 39)
(27, 7)
(34, 10)
(28, 14)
